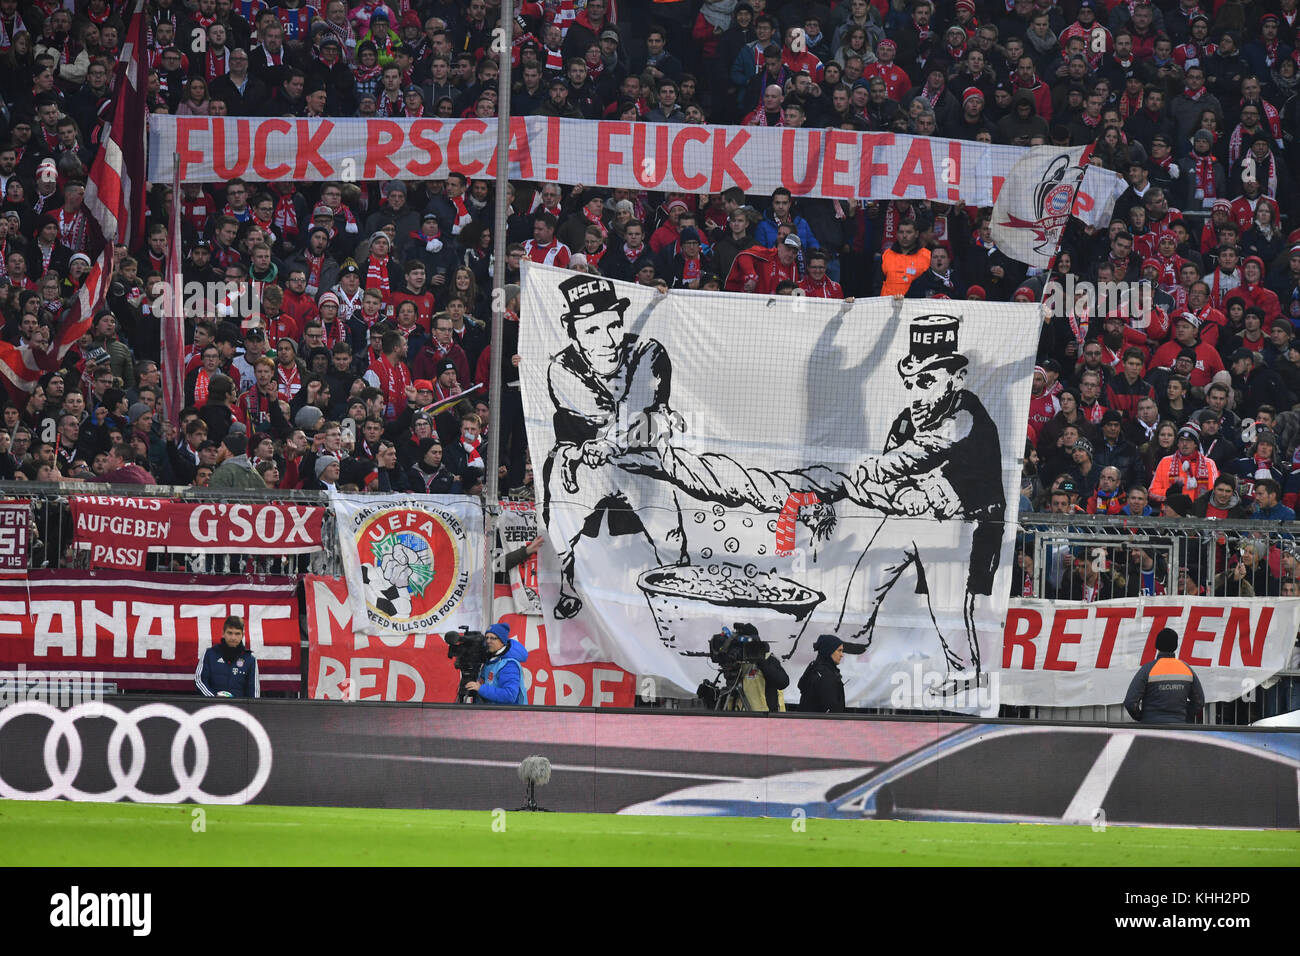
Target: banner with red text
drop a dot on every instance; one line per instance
(825, 163)
(1072, 654)
(144, 631)
(119, 532)
(344, 665)
(15, 536)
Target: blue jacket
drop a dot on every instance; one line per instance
(1278, 512)
(502, 678)
(214, 676)
(766, 233)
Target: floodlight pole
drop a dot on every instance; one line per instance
(501, 213)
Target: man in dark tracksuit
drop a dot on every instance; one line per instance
(228, 669)
(821, 688)
(1165, 690)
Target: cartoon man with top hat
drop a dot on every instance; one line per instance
(610, 391)
(942, 458)
(943, 448)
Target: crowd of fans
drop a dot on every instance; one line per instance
(371, 301)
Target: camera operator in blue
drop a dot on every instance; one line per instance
(501, 681)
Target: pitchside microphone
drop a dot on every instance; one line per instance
(534, 771)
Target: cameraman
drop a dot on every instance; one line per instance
(501, 681)
(762, 685)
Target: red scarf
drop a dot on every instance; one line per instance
(596, 221)
(290, 381)
(377, 274)
(335, 330)
(314, 266)
(393, 380)
(463, 217)
(1196, 469)
(265, 226)
(285, 218)
(554, 61)
(201, 387)
(365, 74)
(471, 447)
(72, 230)
(386, 107)
(216, 65)
(1203, 170)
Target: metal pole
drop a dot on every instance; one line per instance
(501, 209)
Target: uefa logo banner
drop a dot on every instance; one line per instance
(411, 562)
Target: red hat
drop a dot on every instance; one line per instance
(411, 19)
(1154, 263)
(1164, 234)
(966, 5)
(969, 92)
(887, 42)
(1025, 290)
(977, 293)
(423, 385)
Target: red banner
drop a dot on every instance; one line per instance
(145, 631)
(119, 532)
(414, 667)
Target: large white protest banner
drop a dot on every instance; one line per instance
(665, 157)
(413, 563)
(808, 466)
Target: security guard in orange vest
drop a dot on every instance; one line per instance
(903, 261)
(1165, 690)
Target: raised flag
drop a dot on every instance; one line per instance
(1034, 207)
(115, 178)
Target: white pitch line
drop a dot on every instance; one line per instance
(1092, 792)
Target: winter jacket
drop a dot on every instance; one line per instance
(502, 678)
(1164, 691)
(237, 472)
(217, 678)
(821, 689)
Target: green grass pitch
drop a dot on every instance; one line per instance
(125, 834)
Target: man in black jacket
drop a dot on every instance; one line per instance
(1165, 690)
(821, 688)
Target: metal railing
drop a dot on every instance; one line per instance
(52, 530)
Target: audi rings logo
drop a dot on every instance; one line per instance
(189, 729)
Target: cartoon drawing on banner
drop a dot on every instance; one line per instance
(609, 389)
(941, 460)
(409, 566)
